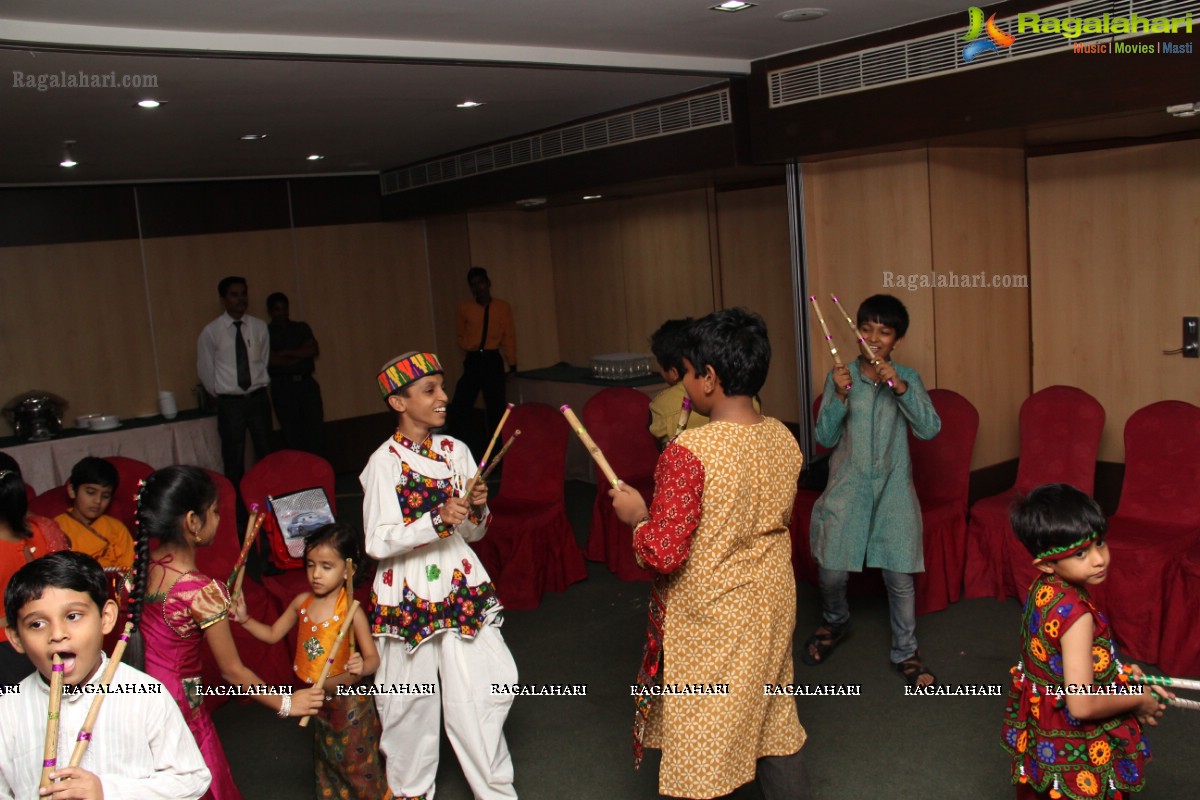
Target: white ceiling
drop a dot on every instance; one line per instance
(370, 84)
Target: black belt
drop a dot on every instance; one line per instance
(245, 396)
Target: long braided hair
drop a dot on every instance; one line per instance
(163, 502)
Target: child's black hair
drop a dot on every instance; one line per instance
(14, 503)
(733, 341)
(341, 537)
(887, 311)
(163, 502)
(94, 470)
(1055, 515)
(668, 341)
(65, 569)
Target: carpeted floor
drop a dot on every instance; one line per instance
(880, 744)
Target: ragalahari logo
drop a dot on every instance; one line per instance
(977, 46)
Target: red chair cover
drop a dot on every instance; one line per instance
(1179, 652)
(800, 525)
(1157, 521)
(530, 547)
(942, 476)
(1060, 434)
(282, 472)
(271, 662)
(29, 494)
(51, 503)
(617, 420)
(124, 500)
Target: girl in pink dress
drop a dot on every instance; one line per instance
(175, 606)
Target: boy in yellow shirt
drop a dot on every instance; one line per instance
(91, 531)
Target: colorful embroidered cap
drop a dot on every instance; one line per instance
(1059, 553)
(405, 369)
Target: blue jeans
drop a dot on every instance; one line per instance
(902, 607)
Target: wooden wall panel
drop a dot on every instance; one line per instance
(863, 216)
(183, 273)
(669, 264)
(365, 291)
(449, 257)
(514, 247)
(756, 273)
(589, 283)
(977, 209)
(1114, 242)
(73, 322)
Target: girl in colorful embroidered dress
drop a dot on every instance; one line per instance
(175, 606)
(346, 740)
(1072, 719)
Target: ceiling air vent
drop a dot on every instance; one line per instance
(942, 53)
(700, 111)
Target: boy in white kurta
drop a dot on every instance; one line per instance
(435, 613)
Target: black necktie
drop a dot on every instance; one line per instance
(243, 357)
(483, 338)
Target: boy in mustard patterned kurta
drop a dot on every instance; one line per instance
(725, 599)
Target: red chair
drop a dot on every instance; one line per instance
(530, 547)
(941, 469)
(803, 565)
(1157, 522)
(283, 472)
(1179, 651)
(616, 419)
(130, 471)
(272, 662)
(52, 502)
(1060, 434)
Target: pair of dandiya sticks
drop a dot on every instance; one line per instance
(862, 343)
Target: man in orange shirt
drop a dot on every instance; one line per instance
(487, 335)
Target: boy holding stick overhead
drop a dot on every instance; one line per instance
(723, 607)
(435, 612)
(868, 514)
(140, 746)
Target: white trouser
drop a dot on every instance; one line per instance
(464, 671)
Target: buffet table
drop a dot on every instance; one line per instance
(574, 386)
(190, 438)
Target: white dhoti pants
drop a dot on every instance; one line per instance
(464, 671)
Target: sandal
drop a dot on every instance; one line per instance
(820, 644)
(913, 670)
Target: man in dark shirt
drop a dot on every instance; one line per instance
(294, 393)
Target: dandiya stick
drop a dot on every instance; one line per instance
(862, 343)
(253, 525)
(1163, 680)
(581, 431)
(685, 412)
(337, 646)
(350, 593)
(500, 455)
(89, 722)
(487, 453)
(50, 751)
(837, 360)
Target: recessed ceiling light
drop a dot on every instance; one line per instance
(315, 157)
(253, 137)
(469, 104)
(1184, 110)
(149, 103)
(802, 14)
(67, 160)
(592, 196)
(731, 6)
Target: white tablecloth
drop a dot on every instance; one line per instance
(45, 465)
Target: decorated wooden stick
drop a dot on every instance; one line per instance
(1179, 702)
(487, 453)
(50, 751)
(1163, 680)
(837, 360)
(337, 646)
(253, 525)
(601, 461)
(350, 594)
(89, 722)
(685, 412)
(500, 455)
(862, 343)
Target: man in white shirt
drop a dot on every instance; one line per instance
(231, 358)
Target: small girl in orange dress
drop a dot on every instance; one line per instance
(346, 741)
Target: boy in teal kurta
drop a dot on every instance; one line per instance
(869, 514)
